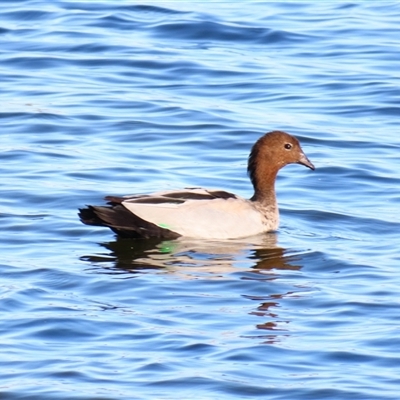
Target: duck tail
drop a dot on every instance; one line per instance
(123, 222)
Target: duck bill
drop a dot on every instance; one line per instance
(306, 162)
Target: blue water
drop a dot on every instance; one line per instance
(112, 97)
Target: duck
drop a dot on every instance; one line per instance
(200, 213)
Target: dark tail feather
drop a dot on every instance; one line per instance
(89, 217)
(123, 222)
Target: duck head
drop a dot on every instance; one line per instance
(269, 154)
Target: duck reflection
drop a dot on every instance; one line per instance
(260, 254)
(259, 259)
(275, 327)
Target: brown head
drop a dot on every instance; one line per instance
(269, 154)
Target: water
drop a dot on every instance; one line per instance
(117, 98)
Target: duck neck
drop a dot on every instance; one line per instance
(263, 181)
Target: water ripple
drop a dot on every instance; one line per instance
(107, 98)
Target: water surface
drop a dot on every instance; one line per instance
(118, 98)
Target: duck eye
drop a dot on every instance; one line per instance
(288, 146)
